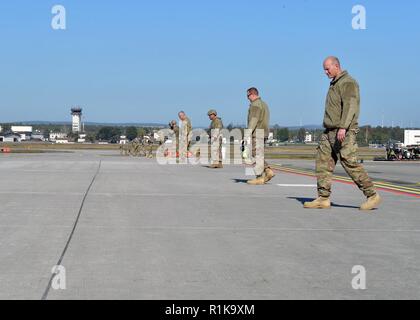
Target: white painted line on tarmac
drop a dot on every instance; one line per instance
(298, 185)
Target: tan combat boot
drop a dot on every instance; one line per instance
(269, 174)
(371, 203)
(216, 166)
(320, 203)
(257, 182)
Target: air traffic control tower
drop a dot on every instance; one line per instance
(77, 119)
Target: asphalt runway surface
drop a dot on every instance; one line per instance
(126, 228)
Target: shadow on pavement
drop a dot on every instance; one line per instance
(303, 200)
(240, 181)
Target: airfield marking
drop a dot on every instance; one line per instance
(60, 260)
(195, 195)
(298, 185)
(42, 193)
(383, 186)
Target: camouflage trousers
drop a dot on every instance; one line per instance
(258, 157)
(216, 151)
(183, 148)
(329, 151)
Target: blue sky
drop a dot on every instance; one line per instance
(143, 61)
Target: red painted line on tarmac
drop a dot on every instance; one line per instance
(404, 193)
(400, 192)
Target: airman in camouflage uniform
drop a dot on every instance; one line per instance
(216, 127)
(339, 139)
(173, 125)
(185, 134)
(259, 119)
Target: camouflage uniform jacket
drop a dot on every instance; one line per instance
(259, 117)
(342, 107)
(215, 127)
(187, 128)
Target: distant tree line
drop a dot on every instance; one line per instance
(288, 135)
(367, 135)
(113, 134)
(381, 135)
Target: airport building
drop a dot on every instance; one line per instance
(57, 136)
(82, 138)
(76, 120)
(411, 137)
(123, 140)
(10, 137)
(24, 132)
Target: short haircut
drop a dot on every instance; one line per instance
(335, 60)
(253, 91)
(181, 112)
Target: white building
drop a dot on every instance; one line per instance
(1, 129)
(82, 138)
(22, 129)
(24, 132)
(10, 138)
(308, 137)
(54, 136)
(411, 137)
(123, 140)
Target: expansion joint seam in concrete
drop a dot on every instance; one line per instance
(60, 260)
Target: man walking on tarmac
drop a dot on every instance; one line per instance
(216, 128)
(341, 123)
(258, 120)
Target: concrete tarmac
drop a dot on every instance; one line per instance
(147, 231)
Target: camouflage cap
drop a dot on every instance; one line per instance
(212, 111)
